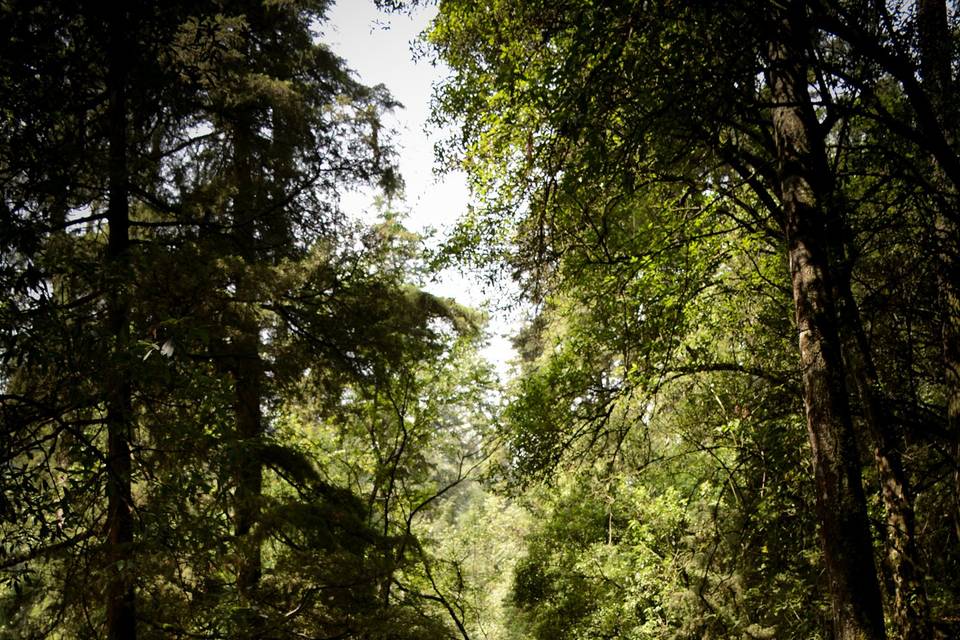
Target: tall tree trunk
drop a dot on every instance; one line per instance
(911, 612)
(804, 179)
(247, 370)
(121, 599)
(247, 398)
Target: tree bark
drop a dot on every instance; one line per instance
(247, 397)
(120, 594)
(804, 182)
(247, 370)
(911, 614)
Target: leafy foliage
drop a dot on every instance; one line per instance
(630, 171)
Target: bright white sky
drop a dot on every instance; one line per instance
(377, 46)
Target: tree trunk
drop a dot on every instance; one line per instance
(248, 374)
(121, 600)
(804, 179)
(247, 397)
(911, 612)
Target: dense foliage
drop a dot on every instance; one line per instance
(733, 220)
(227, 410)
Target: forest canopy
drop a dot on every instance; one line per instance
(229, 410)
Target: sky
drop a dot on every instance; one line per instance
(377, 46)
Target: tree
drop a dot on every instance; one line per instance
(212, 144)
(81, 170)
(574, 112)
(805, 187)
